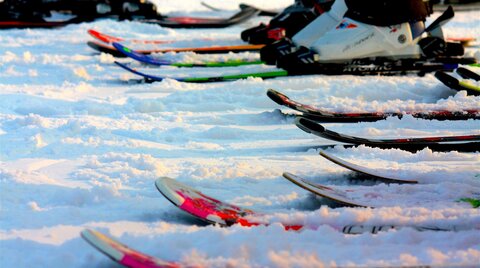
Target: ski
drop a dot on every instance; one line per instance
(19, 24)
(129, 257)
(370, 173)
(320, 115)
(122, 254)
(147, 59)
(332, 194)
(466, 143)
(108, 39)
(109, 49)
(465, 41)
(263, 12)
(152, 78)
(214, 211)
(327, 69)
(456, 84)
(245, 13)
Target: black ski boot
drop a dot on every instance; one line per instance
(271, 53)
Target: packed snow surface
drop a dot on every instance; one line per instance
(82, 142)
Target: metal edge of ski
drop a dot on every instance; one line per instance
(148, 59)
(190, 22)
(153, 78)
(108, 39)
(464, 143)
(319, 115)
(121, 253)
(456, 84)
(332, 194)
(364, 170)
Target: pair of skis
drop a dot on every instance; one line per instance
(214, 211)
(312, 116)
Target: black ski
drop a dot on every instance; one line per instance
(465, 143)
(320, 115)
(244, 14)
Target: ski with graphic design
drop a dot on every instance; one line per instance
(152, 78)
(457, 84)
(211, 210)
(328, 69)
(147, 59)
(245, 13)
(129, 257)
(370, 173)
(109, 49)
(320, 115)
(465, 143)
(122, 254)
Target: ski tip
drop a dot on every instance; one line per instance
(125, 50)
(102, 243)
(166, 187)
(308, 125)
(275, 96)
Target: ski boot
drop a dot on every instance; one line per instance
(353, 45)
(287, 23)
(314, 30)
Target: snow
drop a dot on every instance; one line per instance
(82, 143)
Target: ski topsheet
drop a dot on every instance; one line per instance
(326, 116)
(373, 174)
(122, 254)
(245, 13)
(147, 59)
(461, 143)
(109, 49)
(205, 208)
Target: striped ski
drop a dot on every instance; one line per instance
(109, 49)
(151, 78)
(148, 59)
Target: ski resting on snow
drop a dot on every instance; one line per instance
(320, 115)
(465, 143)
